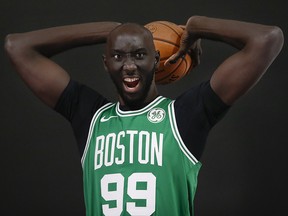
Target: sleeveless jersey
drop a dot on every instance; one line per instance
(135, 163)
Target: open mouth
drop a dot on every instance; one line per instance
(131, 82)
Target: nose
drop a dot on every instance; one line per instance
(129, 65)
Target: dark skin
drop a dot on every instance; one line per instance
(131, 61)
(258, 46)
(131, 58)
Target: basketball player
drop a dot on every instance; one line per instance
(140, 155)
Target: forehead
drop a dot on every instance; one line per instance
(128, 42)
(129, 38)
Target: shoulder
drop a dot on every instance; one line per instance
(78, 97)
(201, 99)
(196, 111)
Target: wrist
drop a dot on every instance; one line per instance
(193, 27)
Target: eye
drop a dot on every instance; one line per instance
(139, 55)
(117, 57)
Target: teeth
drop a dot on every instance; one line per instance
(130, 79)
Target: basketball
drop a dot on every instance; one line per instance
(167, 37)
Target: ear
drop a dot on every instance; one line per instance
(104, 62)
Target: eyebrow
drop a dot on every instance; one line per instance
(134, 51)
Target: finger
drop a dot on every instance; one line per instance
(182, 27)
(173, 59)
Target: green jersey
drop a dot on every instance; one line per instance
(135, 163)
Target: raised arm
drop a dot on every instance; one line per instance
(258, 46)
(30, 52)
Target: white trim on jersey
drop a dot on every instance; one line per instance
(95, 117)
(119, 112)
(177, 135)
(154, 103)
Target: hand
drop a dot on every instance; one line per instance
(188, 45)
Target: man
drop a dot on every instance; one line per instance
(140, 155)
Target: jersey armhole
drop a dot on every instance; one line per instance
(90, 132)
(177, 136)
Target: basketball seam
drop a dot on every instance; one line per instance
(163, 23)
(174, 70)
(174, 73)
(166, 41)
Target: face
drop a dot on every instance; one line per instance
(131, 61)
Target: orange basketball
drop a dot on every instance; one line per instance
(167, 37)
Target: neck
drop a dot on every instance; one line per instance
(139, 103)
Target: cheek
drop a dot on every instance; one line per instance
(115, 75)
(147, 66)
(112, 67)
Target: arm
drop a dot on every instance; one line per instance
(30, 52)
(258, 45)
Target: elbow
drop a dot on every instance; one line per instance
(17, 48)
(8, 44)
(266, 45)
(277, 38)
(12, 45)
(272, 41)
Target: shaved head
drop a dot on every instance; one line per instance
(131, 28)
(131, 60)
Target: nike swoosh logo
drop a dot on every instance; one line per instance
(104, 119)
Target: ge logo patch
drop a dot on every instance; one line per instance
(156, 115)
